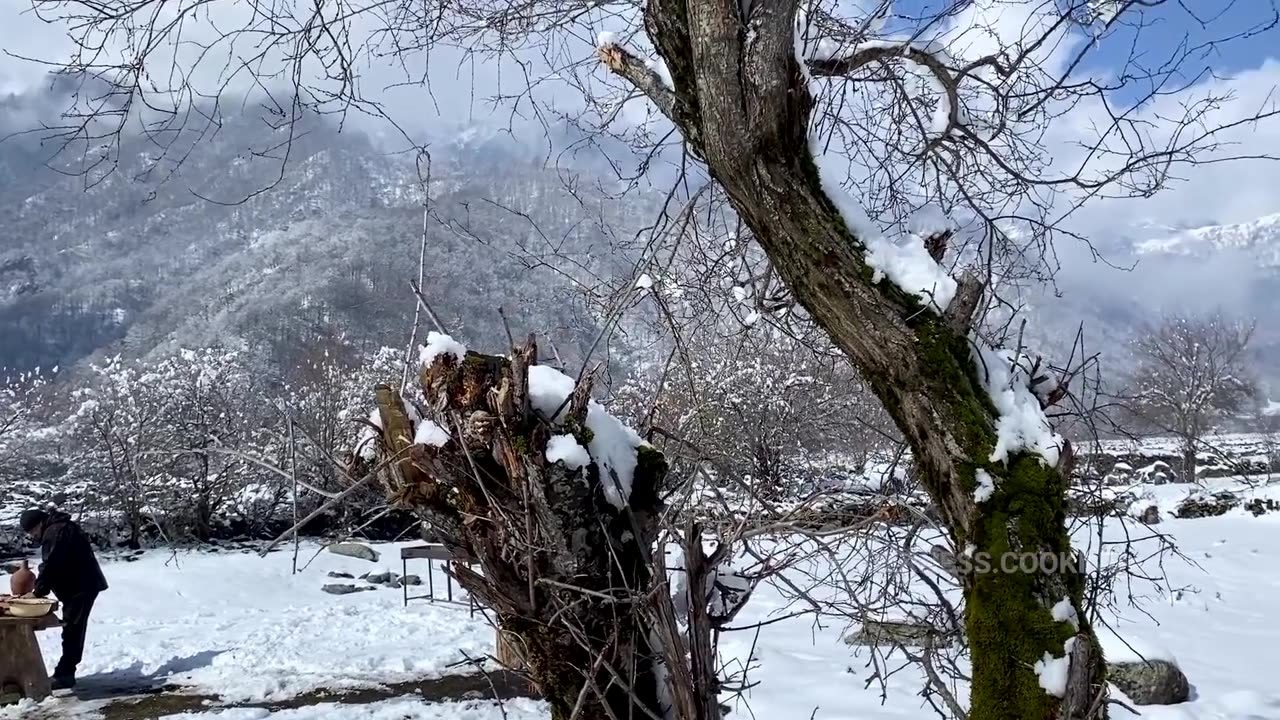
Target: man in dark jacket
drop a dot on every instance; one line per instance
(71, 572)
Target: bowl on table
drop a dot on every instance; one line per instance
(28, 607)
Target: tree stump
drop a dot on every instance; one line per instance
(560, 542)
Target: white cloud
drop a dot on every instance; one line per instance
(459, 87)
(1230, 192)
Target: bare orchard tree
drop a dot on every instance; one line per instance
(1191, 372)
(822, 123)
(766, 411)
(122, 453)
(208, 411)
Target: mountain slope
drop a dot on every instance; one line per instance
(139, 262)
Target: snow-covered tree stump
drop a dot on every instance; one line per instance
(558, 501)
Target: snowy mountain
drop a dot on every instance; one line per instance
(141, 260)
(1154, 268)
(1260, 238)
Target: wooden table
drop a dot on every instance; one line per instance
(21, 664)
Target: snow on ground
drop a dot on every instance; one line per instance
(1218, 620)
(398, 709)
(243, 628)
(1168, 496)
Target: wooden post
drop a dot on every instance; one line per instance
(506, 652)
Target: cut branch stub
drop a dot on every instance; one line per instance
(461, 386)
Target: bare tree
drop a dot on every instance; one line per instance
(1191, 372)
(822, 125)
(121, 448)
(766, 412)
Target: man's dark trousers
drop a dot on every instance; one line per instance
(75, 621)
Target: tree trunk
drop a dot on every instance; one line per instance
(1189, 461)
(562, 567)
(743, 105)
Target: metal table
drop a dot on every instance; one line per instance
(432, 552)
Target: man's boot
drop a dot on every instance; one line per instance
(63, 682)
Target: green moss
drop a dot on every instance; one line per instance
(520, 444)
(651, 464)
(1008, 619)
(948, 355)
(580, 432)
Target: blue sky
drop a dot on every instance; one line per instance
(1163, 30)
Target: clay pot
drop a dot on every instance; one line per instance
(23, 581)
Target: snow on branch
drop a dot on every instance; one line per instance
(1015, 390)
(613, 443)
(908, 262)
(439, 344)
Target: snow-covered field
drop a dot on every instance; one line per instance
(1168, 497)
(1234, 444)
(245, 629)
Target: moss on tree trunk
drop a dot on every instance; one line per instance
(1017, 562)
(1025, 567)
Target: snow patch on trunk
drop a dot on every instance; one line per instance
(1053, 672)
(986, 486)
(613, 445)
(565, 449)
(1065, 612)
(1022, 424)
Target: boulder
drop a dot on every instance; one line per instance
(355, 550)
(894, 632)
(342, 575)
(1150, 516)
(389, 579)
(339, 589)
(1150, 682)
(410, 580)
